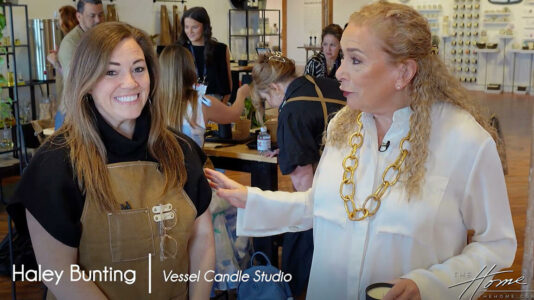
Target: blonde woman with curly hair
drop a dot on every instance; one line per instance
(408, 168)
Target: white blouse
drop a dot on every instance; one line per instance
(423, 239)
(196, 133)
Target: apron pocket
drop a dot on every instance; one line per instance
(130, 235)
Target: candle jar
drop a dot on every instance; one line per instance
(377, 291)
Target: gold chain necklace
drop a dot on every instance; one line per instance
(360, 213)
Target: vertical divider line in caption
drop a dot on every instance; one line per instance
(149, 274)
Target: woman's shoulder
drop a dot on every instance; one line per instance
(458, 124)
(192, 152)
(53, 151)
(219, 47)
(318, 58)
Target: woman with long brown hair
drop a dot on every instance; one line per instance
(113, 188)
(409, 167)
(188, 110)
(212, 59)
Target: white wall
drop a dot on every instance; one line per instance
(344, 8)
(143, 14)
(302, 21)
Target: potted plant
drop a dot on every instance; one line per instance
(6, 121)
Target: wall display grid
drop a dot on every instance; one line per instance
(488, 47)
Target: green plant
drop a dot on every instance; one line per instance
(250, 113)
(6, 112)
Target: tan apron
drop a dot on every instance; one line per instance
(122, 239)
(319, 98)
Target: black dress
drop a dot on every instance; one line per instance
(49, 190)
(215, 71)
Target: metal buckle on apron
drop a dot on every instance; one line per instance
(164, 216)
(161, 208)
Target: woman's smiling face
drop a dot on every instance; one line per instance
(122, 92)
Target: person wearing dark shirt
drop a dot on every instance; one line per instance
(327, 61)
(305, 105)
(113, 188)
(212, 59)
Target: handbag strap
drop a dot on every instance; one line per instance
(262, 254)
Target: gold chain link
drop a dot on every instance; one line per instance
(389, 178)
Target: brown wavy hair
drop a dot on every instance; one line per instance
(269, 68)
(86, 148)
(334, 30)
(178, 75)
(200, 14)
(67, 14)
(405, 34)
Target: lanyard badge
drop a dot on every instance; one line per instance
(200, 88)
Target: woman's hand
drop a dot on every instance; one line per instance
(228, 189)
(243, 91)
(52, 57)
(271, 153)
(403, 289)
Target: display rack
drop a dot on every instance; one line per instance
(515, 88)
(19, 149)
(486, 52)
(249, 29)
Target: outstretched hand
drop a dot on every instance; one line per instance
(403, 289)
(228, 189)
(243, 91)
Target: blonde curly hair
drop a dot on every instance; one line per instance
(405, 34)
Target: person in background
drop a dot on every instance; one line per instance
(212, 59)
(89, 14)
(67, 22)
(114, 188)
(188, 110)
(409, 168)
(304, 106)
(327, 61)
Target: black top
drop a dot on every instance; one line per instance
(316, 66)
(49, 190)
(301, 123)
(217, 70)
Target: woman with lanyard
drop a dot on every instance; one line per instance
(212, 59)
(399, 216)
(113, 189)
(327, 61)
(305, 105)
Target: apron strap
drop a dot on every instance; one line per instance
(319, 98)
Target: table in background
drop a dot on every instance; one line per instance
(263, 174)
(315, 49)
(263, 170)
